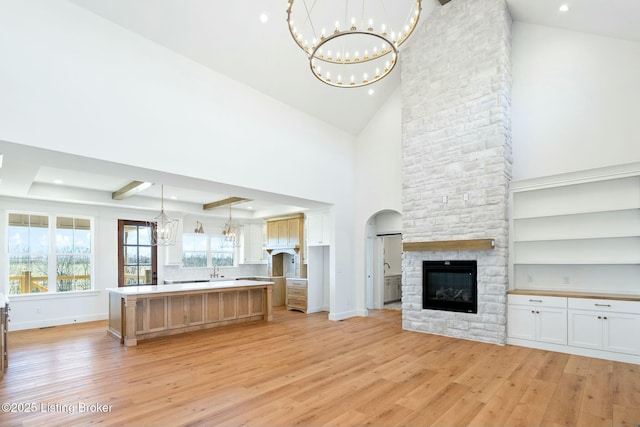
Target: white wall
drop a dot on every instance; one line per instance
(379, 174)
(34, 311)
(575, 101)
(73, 82)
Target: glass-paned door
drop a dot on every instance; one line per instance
(136, 256)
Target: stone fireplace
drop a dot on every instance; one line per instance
(456, 150)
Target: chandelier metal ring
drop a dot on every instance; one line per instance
(388, 67)
(359, 43)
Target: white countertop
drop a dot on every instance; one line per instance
(181, 287)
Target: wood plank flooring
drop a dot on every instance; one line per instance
(304, 370)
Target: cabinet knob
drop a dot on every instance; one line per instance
(533, 312)
(599, 317)
(537, 312)
(603, 305)
(605, 317)
(535, 300)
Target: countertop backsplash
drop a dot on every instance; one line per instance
(178, 273)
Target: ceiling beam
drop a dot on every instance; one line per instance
(130, 189)
(224, 202)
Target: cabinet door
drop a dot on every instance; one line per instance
(551, 325)
(283, 232)
(318, 229)
(621, 332)
(585, 329)
(272, 233)
(521, 322)
(293, 226)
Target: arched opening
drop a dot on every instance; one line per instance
(383, 260)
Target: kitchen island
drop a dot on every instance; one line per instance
(137, 313)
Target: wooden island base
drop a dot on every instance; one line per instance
(141, 312)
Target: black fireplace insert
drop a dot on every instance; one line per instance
(450, 286)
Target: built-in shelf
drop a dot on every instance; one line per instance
(578, 231)
(450, 245)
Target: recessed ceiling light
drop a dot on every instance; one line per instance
(250, 207)
(57, 181)
(564, 8)
(264, 18)
(173, 198)
(371, 91)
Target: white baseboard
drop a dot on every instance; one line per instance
(347, 314)
(578, 351)
(47, 323)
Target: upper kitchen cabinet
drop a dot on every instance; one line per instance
(318, 228)
(285, 232)
(253, 244)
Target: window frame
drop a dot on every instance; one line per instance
(51, 253)
(235, 251)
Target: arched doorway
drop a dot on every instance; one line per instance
(383, 260)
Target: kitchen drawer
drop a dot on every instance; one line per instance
(296, 283)
(296, 292)
(607, 305)
(535, 300)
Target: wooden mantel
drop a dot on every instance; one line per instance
(450, 245)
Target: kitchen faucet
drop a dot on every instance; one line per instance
(386, 264)
(216, 272)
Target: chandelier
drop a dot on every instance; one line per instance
(352, 43)
(230, 233)
(165, 229)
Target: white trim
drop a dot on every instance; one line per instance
(47, 323)
(53, 295)
(567, 349)
(347, 315)
(577, 177)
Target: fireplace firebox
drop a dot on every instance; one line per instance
(450, 286)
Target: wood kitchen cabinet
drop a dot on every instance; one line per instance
(285, 232)
(297, 294)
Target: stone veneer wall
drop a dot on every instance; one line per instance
(456, 140)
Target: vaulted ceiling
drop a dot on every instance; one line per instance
(230, 39)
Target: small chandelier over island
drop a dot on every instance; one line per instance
(352, 43)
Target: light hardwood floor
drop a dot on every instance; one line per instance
(304, 370)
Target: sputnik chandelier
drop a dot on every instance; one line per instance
(352, 43)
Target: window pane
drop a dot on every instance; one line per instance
(222, 259)
(18, 238)
(130, 275)
(64, 240)
(144, 237)
(82, 241)
(130, 235)
(194, 259)
(144, 255)
(144, 277)
(131, 255)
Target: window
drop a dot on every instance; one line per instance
(201, 250)
(194, 250)
(136, 256)
(73, 254)
(34, 262)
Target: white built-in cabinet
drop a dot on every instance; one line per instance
(538, 318)
(254, 237)
(596, 327)
(575, 260)
(318, 226)
(608, 325)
